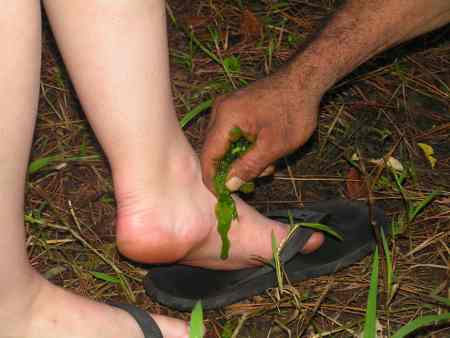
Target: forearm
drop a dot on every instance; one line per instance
(361, 29)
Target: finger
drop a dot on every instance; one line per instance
(216, 145)
(250, 165)
(268, 171)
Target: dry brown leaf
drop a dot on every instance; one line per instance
(251, 27)
(355, 185)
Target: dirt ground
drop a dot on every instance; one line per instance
(385, 108)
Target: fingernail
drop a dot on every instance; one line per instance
(234, 183)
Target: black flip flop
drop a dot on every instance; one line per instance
(181, 286)
(144, 320)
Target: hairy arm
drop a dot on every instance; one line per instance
(280, 111)
(361, 29)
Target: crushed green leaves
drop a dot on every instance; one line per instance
(225, 207)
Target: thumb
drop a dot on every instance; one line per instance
(249, 166)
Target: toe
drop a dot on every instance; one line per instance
(171, 327)
(313, 243)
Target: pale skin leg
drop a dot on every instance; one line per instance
(29, 305)
(117, 55)
(19, 91)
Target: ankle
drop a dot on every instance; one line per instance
(173, 165)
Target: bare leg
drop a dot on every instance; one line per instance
(19, 90)
(116, 53)
(29, 305)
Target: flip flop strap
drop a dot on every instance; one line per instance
(296, 241)
(144, 320)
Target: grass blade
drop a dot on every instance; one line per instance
(399, 180)
(370, 324)
(389, 272)
(40, 163)
(105, 277)
(414, 211)
(203, 48)
(419, 323)
(227, 330)
(196, 328)
(321, 227)
(194, 112)
(43, 162)
(276, 259)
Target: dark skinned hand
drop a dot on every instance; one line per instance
(278, 112)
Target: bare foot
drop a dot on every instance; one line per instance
(52, 312)
(172, 219)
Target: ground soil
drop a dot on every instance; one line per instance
(387, 106)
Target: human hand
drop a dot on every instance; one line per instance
(278, 113)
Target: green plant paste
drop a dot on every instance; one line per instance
(225, 207)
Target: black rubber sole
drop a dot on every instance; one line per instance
(181, 286)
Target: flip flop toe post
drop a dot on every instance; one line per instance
(180, 286)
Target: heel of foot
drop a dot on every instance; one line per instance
(151, 245)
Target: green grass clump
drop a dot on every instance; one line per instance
(196, 327)
(370, 325)
(225, 207)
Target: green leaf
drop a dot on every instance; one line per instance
(232, 64)
(389, 271)
(294, 39)
(225, 207)
(105, 277)
(82, 151)
(225, 214)
(397, 226)
(203, 48)
(276, 259)
(321, 227)
(370, 324)
(419, 323)
(194, 112)
(196, 327)
(107, 199)
(291, 220)
(414, 211)
(41, 163)
(227, 331)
